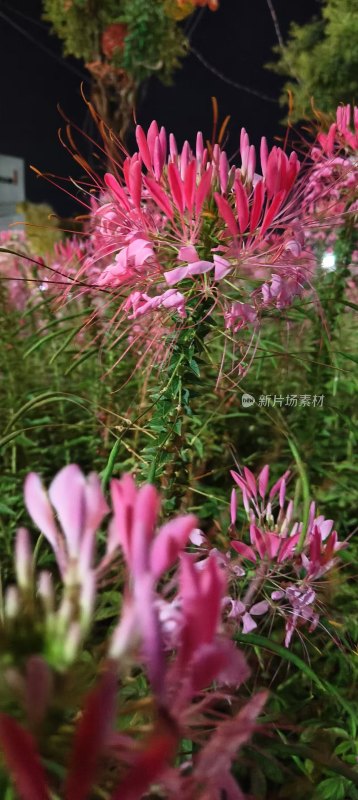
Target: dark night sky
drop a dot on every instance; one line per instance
(236, 41)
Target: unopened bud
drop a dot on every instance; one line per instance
(23, 559)
(87, 599)
(46, 592)
(11, 602)
(72, 643)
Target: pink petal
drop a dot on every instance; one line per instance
(200, 267)
(159, 197)
(233, 507)
(263, 154)
(143, 147)
(288, 547)
(153, 132)
(144, 518)
(258, 540)
(222, 267)
(22, 760)
(282, 494)
(214, 759)
(188, 253)
(201, 595)
(173, 149)
(91, 737)
(96, 509)
(39, 508)
(199, 146)
(325, 528)
(135, 183)
(248, 624)
(176, 188)
(123, 493)
(259, 196)
(149, 763)
(158, 160)
(272, 210)
(273, 542)
(163, 142)
(278, 595)
(203, 189)
(190, 185)
(197, 537)
(251, 163)
(117, 190)
(244, 550)
(226, 213)
(169, 542)
(238, 479)
(250, 480)
(176, 275)
(150, 631)
(220, 661)
(263, 480)
(277, 485)
(67, 495)
(259, 608)
(242, 206)
(223, 171)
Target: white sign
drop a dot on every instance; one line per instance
(12, 189)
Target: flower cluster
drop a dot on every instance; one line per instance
(330, 195)
(13, 272)
(182, 651)
(289, 557)
(176, 227)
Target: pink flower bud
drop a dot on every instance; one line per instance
(23, 559)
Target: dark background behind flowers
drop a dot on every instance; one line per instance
(236, 42)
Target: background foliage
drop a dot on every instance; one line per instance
(320, 59)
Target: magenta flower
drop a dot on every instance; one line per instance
(343, 132)
(174, 228)
(269, 538)
(286, 557)
(244, 614)
(148, 555)
(134, 526)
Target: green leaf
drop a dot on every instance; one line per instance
(331, 789)
(256, 640)
(6, 510)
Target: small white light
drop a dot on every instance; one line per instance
(329, 262)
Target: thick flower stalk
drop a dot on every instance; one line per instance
(169, 630)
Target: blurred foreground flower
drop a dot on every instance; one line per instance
(169, 629)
